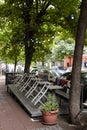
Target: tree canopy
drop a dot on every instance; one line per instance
(31, 22)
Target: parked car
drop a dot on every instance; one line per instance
(58, 70)
(46, 74)
(66, 79)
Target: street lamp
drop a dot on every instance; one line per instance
(72, 16)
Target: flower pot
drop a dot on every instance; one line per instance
(49, 117)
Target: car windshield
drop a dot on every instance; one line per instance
(84, 78)
(84, 75)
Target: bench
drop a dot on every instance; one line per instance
(62, 95)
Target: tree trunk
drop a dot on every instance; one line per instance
(31, 27)
(75, 90)
(15, 64)
(29, 50)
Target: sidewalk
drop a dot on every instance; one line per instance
(13, 116)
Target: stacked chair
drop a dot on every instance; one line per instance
(33, 90)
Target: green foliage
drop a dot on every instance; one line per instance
(8, 51)
(51, 104)
(39, 20)
(62, 49)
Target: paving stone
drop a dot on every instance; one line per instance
(14, 117)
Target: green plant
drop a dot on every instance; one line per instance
(51, 104)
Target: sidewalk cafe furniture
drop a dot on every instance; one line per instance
(32, 92)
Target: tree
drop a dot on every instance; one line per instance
(30, 15)
(9, 53)
(76, 70)
(62, 49)
(16, 54)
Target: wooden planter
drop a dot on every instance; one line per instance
(49, 117)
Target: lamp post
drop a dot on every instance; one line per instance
(72, 16)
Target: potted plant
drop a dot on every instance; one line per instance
(50, 110)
